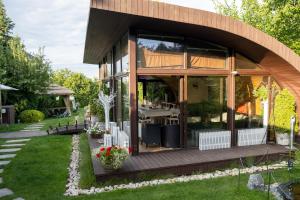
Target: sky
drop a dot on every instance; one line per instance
(59, 26)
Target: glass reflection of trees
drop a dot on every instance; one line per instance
(249, 108)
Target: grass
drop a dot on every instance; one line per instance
(39, 171)
(12, 127)
(54, 122)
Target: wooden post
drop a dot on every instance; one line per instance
(231, 99)
(133, 93)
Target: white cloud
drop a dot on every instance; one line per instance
(60, 27)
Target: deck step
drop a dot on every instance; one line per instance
(5, 192)
(17, 141)
(5, 156)
(9, 150)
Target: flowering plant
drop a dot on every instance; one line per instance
(96, 129)
(113, 157)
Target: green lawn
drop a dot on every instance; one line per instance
(54, 122)
(12, 128)
(40, 172)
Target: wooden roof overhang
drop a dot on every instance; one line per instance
(110, 19)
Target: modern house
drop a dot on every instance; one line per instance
(186, 78)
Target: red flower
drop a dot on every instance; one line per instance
(107, 153)
(130, 149)
(98, 155)
(108, 148)
(102, 149)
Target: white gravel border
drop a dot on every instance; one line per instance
(72, 187)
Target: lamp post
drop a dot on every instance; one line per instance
(293, 121)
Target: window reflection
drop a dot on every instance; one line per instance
(244, 63)
(249, 107)
(158, 53)
(206, 106)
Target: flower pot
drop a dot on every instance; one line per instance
(96, 136)
(283, 139)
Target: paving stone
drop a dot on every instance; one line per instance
(5, 156)
(17, 141)
(1, 171)
(12, 145)
(9, 150)
(4, 162)
(5, 192)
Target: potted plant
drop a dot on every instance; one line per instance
(96, 111)
(112, 158)
(284, 109)
(96, 131)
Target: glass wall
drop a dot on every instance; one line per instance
(206, 106)
(249, 92)
(124, 52)
(159, 53)
(125, 100)
(205, 55)
(245, 63)
(117, 58)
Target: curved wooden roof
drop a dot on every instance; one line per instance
(110, 19)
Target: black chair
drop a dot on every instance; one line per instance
(151, 134)
(171, 136)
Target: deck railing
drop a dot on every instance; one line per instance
(214, 140)
(255, 136)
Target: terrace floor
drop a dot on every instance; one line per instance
(186, 161)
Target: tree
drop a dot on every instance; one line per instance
(29, 72)
(278, 18)
(85, 89)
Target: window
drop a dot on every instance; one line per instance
(244, 63)
(117, 58)
(109, 64)
(206, 56)
(124, 51)
(125, 100)
(248, 106)
(156, 53)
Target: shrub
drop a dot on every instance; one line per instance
(284, 109)
(97, 110)
(30, 116)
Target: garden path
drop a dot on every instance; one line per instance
(7, 152)
(22, 134)
(34, 127)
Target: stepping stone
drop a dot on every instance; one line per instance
(4, 162)
(5, 192)
(1, 171)
(12, 145)
(5, 156)
(9, 150)
(17, 141)
(19, 198)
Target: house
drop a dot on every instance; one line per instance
(185, 78)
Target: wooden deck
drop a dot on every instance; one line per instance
(185, 161)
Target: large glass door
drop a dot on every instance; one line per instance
(206, 107)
